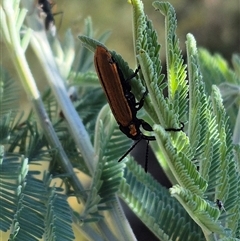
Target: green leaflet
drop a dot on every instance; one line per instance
(216, 70)
(204, 214)
(31, 200)
(231, 180)
(12, 176)
(176, 69)
(202, 160)
(107, 176)
(182, 168)
(153, 205)
(166, 116)
(8, 102)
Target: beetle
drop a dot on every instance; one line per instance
(121, 100)
(46, 7)
(219, 203)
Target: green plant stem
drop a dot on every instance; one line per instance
(163, 163)
(42, 49)
(28, 82)
(51, 136)
(115, 215)
(236, 131)
(90, 233)
(12, 41)
(120, 221)
(209, 237)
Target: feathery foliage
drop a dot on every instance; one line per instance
(202, 160)
(108, 171)
(153, 204)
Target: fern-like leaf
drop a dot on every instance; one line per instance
(182, 168)
(8, 101)
(176, 75)
(153, 205)
(202, 212)
(58, 218)
(215, 70)
(83, 59)
(147, 51)
(110, 144)
(13, 169)
(229, 196)
(166, 116)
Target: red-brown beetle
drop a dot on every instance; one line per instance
(120, 98)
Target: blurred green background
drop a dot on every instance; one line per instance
(214, 23)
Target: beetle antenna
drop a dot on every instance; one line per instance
(131, 148)
(146, 157)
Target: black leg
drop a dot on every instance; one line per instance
(176, 129)
(139, 104)
(146, 157)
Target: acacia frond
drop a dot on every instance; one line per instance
(229, 195)
(25, 200)
(204, 214)
(16, 167)
(176, 69)
(201, 157)
(153, 205)
(58, 218)
(182, 168)
(8, 101)
(110, 144)
(216, 70)
(147, 52)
